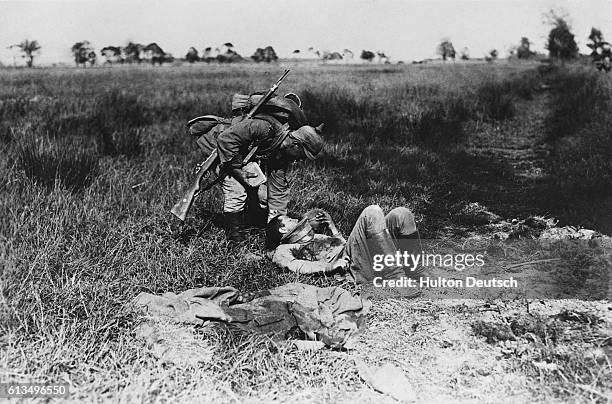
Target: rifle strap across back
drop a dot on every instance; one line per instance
(281, 132)
(250, 154)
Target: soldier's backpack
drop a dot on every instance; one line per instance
(277, 111)
(206, 129)
(285, 109)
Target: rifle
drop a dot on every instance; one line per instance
(181, 208)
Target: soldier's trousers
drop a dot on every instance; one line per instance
(272, 195)
(235, 196)
(373, 234)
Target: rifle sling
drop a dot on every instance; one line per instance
(280, 129)
(250, 155)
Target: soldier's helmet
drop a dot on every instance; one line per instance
(311, 140)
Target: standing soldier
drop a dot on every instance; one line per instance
(278, 130)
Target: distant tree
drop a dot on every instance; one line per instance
(258, 56)
(523, 50)
(112, 54)
(317, 53)
(561, 43)
(154, 53)
(367, 55)
(492, 56)
(230, 56)
(83, 54)
(79, 52)
(132, 52)
(167, 58)
(29, 50)
(327, 55)
(192, 55)
(465, 53)
(266, 54)
(225, 54)
(207, 55)
(92, 57)
(382, 56)
(270, 54)
(595, 39)
(446, 50)
(601, 52)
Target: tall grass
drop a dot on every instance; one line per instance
(579, 127)
(579, 96)
(414, 113)
(116, 123)
(70, 162)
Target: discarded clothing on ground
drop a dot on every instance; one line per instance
(331, 315)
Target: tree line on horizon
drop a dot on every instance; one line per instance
(561, 44)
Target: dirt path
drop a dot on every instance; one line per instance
(508, 171)
(519, 141)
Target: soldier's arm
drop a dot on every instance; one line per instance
(284, 257)
(237, 139)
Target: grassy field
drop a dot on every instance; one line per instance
(94, 159)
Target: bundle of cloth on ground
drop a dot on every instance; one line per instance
(331, 315)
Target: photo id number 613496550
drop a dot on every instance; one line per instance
(33, 390)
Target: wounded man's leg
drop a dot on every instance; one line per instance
(370, 238)
(401, 224)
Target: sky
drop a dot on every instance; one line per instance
(405, 30)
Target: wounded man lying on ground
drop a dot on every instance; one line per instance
(300, 246)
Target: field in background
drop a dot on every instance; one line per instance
(95, 159)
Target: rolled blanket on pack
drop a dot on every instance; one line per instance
(281, 108)
(206, 128)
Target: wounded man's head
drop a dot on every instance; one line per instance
(283, 229)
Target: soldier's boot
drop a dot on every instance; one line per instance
(234, 226)
(257, 217)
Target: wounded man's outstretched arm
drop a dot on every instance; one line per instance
(285, 258)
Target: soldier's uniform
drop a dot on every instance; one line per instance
(234, 144)
(279, 119)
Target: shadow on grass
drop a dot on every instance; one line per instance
(438, 182)
(71, 162)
